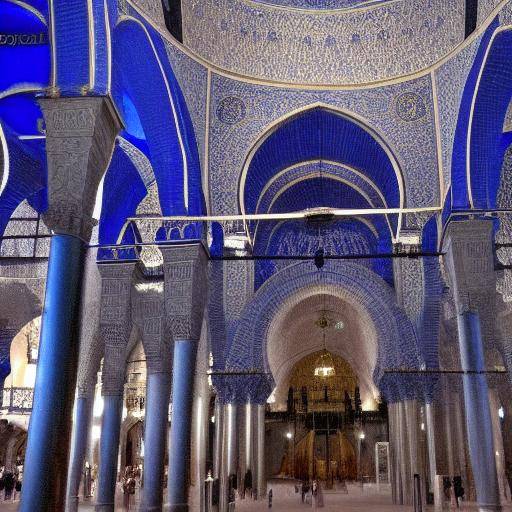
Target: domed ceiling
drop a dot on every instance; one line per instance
(322, 4)
(323, 41)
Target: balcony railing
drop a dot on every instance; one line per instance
(17, 400)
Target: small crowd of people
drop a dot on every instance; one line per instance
(11, 480)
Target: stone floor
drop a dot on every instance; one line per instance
(368, 500)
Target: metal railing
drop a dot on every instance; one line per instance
(17, 400)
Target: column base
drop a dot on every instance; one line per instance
(104, 507)
(150, 508)
(72, 504)
(177, 507)
(489, 508)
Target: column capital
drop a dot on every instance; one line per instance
(469, 263)
(115, 321)
(149, 315)
(408, 274)
(185, 289)
(80, 136)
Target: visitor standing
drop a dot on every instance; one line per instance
(2, 481)
(314, 493)
(9, 484)
(248, 482)
(94, 477)
(128, 484)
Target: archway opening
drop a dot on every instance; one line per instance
(325, 414)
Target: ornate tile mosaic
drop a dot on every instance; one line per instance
(322, 4)
(450, 82)
(402, 113)
(355, 46)
(152, 9)
(506, 14)
(485, 8)
(192, 78)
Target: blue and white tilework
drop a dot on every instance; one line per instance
(192, 78)
(450, 81)
(412, 139)
(322, 4)
(485, 8)
(316, 46)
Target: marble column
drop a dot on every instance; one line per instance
(249, 438)
(431, 442)
(405, 458)
(470, 265)
(115, 332)
(460, 436)
(231, 437)
(50, 422)
(261, 479)
(478, 415)
(494, 403)
(181, 421)
(80, 439)
(412, 415)
(229, 463)
(80, 136)
(394, 453)
(185, 290)
(149, 316)
(109, 451)
(219, 429)
(158, 390)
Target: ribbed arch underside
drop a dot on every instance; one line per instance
(320, 135)
(321, 158)
(393, 344)
(343, 237)
(153, 107)
(488, 142)
(26, 70)
(293, 334)
(480, 141)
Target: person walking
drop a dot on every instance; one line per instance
(314, 492)
(128, 484)
(2, 480)
(9, 482)
(94, 477)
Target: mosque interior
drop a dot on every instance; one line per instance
(255, 253)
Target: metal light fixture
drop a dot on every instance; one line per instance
(324, 321)
(324, 366)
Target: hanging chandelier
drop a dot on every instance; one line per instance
(324, 366)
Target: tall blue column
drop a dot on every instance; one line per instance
(81, 429)
(109, 451)
(478, 414)
(181, 421)
(50, 421)
(158, 389)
